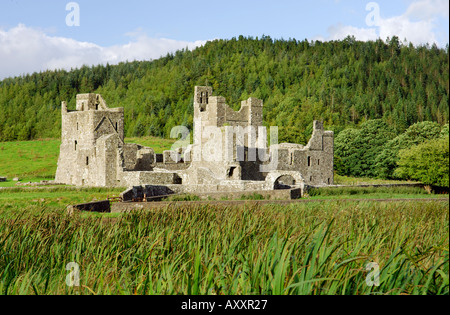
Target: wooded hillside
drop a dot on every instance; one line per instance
(344, 83)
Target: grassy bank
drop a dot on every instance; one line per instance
(34, 201)
(370, 192)
(301, 249)
(346, 180)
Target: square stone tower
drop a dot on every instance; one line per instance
(84, 132)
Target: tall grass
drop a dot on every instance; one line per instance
(301, 249)
(350, 191)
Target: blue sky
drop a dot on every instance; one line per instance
(34, 35)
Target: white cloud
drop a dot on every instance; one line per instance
(26, 50)
(420, 32)
(428, 9)
(417, 25)
(340, 31)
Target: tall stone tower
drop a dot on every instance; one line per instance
(222, 136)
(88, 134)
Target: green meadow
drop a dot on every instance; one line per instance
(29, 160)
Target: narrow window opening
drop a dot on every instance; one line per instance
(203, 101)
(231, 172)
(318, 162)
(76, 144)
(87, 161)
(309, 161)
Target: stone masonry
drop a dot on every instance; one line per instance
(229, 153)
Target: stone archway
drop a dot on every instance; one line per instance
(284, 180)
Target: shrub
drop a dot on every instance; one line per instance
(428, 163)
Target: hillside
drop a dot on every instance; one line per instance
(344, 83)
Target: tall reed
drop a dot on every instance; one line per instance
(290, 250)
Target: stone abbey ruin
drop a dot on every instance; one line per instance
(230, 151)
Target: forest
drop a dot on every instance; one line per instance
(387, 85)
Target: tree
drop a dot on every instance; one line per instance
(345, 155)
(356, 150)
(386, 161)
(427, 163)
(445, 131)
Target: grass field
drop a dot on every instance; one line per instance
(301, 249)
(36, 201)
(320, 248)
(29, 160)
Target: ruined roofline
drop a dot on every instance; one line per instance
(110, 110)
(90, 102)
(214, 110)
(204, 95)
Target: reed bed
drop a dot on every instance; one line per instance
(307, 249)
(351, 191)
